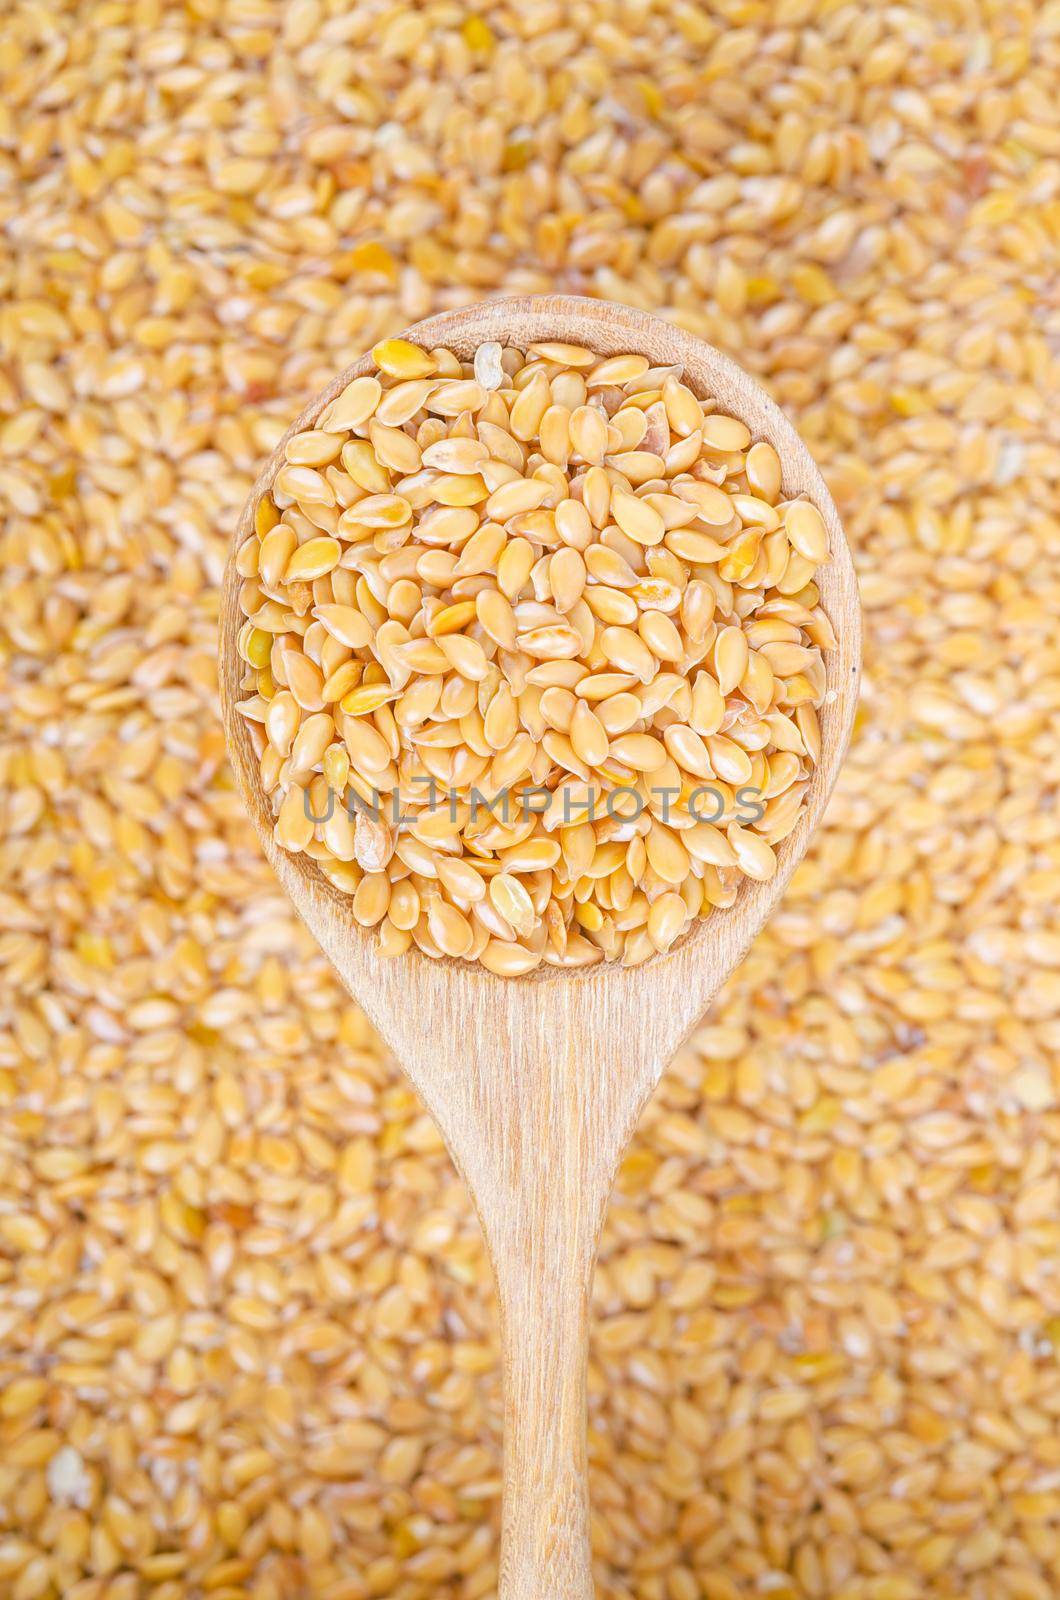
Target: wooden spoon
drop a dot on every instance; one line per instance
(536, 1084)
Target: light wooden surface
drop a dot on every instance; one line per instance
(537, 1083)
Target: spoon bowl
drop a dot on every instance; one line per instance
(536, 1083)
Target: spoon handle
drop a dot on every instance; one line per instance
(536, 1096)
(544, 1298)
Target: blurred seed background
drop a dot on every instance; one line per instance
(246, 1335)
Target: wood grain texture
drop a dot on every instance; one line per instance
(536, 1084)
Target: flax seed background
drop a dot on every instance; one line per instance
(246, 1336)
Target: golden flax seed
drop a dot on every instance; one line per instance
(883, 258)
